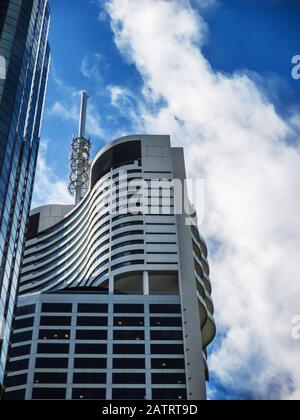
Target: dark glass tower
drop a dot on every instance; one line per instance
(24, 51)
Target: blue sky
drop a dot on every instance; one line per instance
(248, 45)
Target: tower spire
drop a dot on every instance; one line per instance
(80, 156)
(83, 113)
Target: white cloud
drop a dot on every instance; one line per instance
(48, 189)
(125, 102)
(234, 138)
(62, 111)
(90, 67)
(119, 95)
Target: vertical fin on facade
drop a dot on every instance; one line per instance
(80, 157)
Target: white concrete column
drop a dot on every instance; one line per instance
(111, 285)
(146, 283)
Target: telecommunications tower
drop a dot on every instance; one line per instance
(80, 157)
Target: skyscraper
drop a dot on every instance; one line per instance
(115, 297)
(25, 57)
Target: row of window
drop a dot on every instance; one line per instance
(97, 308)
(127, 254)
(64, 238)
(98, 335)
(51, 239)
(96, 363)
(107, 181)
(102, 192)
(98, 394)
(99, 237)
(50, 348)
(97, 378)
(99, 322)
(40, 259)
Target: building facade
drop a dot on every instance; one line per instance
(25, 54)
(115, 296)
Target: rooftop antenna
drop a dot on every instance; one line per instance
(80, 156)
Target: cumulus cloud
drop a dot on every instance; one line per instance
(48, 188)
(249, 157)
(125, 102)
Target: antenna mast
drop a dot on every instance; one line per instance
(80, 157)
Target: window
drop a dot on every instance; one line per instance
(166, 322)
(89, 394)
(127, 224)
(22, 337)
(91, 335)
(91, 321)
(129, 335)
(15, 395)
(18, 365)
(20, 324)
(89, 378)
(87, 363)
(129, 283)
(54, 334)
(129, 349)
(128, 394)
(165, 309)
(128, 243)
(57, 307)
(121, 154)
(129, 378)
(129, 363)
(92, 308)
(33, 226)
(162, 233)
(25, 310)
(49, 394)
(166, 349)
(129, 309)
(161, 243)
(128, 322)
(163, 282)
(91, 348)
(55, 321)
(167, 364)
(53, 348)
(20, 351)
(166, 335)
(128, 264)
(169, 394)
(168, 378)
(18, 380)
(129, 233)
(50, 378)
(51, 363)
(160, 224)
(127, 254)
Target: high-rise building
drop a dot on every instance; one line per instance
(115, 296)
(25, 57)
